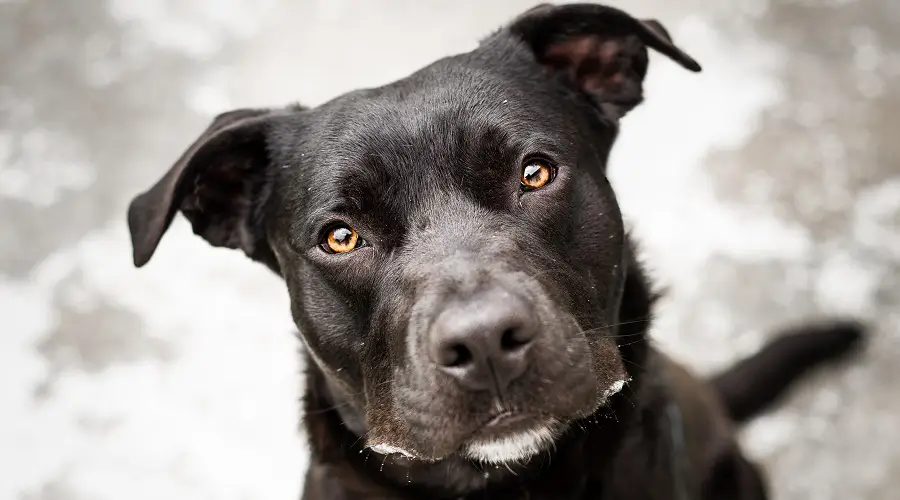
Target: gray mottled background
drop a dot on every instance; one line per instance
(765, 190)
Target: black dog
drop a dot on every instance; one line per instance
(457, 265)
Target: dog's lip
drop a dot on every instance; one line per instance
(509, 418)
(509, 422)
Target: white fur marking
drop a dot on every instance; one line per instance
(386, 449)
(615, 388)
(513, 448)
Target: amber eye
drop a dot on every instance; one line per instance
(341, 239)
(536, 174)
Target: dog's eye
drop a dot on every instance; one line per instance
(536, 174)
(341, 239)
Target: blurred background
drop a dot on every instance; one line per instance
(765, 191)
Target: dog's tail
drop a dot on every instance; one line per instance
(755, 383)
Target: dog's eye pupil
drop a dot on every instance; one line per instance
(341, 239)
(536, 174)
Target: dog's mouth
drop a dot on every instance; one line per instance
(507, 422)
(506, 436)
(512, 436)
(515, 436)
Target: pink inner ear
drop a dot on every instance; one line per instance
(600, 66)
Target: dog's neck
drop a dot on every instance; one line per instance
(342, 467)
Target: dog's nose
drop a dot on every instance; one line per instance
(483, 342)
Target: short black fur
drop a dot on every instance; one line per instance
(482, 337)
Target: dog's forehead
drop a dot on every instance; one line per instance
(422, 133)
(446, 98)
(451, 95)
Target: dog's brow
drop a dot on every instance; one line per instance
(308, 227)
(540, 143)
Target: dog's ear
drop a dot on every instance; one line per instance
(602, 50)
(220, 184)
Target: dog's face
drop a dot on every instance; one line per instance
(454, 254)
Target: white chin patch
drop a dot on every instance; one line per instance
(386, 449)
(513, 448)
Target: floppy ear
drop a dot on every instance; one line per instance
(602, 50)
(220, 184)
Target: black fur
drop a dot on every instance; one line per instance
(757, 382)
(428, 173)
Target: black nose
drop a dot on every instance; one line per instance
(483, 341)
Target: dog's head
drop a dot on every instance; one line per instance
(454, 254)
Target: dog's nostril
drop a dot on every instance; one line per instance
(456, 356)
(514, 338)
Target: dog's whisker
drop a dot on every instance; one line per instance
(629, 399)
(358, 439)
(600, 328)
(630, 343)
(616, 325)
(319, 411)
(343, 404)
(633, 363)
